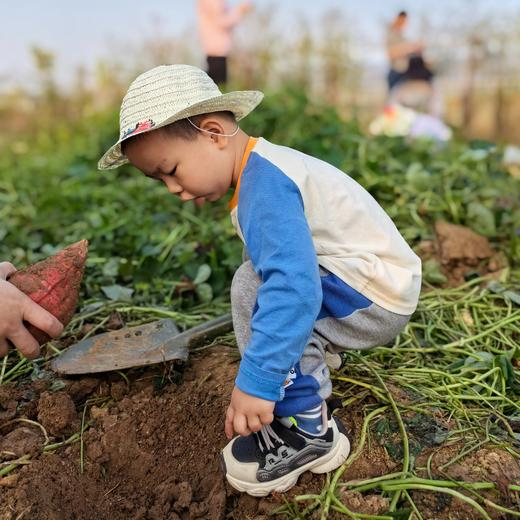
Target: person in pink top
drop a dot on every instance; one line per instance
(216, 22)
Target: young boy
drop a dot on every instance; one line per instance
(326, 269)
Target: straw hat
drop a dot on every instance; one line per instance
(167, 94)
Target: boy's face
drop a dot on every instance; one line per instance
(200, 169)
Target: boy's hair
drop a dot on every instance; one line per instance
(182, 128)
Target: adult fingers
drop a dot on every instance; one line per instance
(254, 423)
(4, 347)
(41, 318)
(228, 428)
(25, 343)
(6, 269)
(240, 425)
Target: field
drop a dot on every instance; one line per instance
(434, 418)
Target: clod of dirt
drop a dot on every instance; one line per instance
(118, 390)
(462, 253)
(57, 413)
(21, 441)
(367, 504)
(499, 467)
(82, 388)
(7, 405)
(9, 481)
(459, 243)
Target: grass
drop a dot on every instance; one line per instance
(442, 369)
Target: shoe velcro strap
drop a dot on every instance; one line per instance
(288, 436)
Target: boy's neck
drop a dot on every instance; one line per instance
(241, 141)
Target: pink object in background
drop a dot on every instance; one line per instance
(216, 22)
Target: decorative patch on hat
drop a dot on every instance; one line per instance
(142, 126)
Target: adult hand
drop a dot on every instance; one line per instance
(247, 414)
(15, 308)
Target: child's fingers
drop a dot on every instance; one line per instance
(228, 427)
(254, 423)
(266, 418)
(240, 425)
(25, 343)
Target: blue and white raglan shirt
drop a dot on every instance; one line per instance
(295, 213)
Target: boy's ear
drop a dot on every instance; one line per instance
(211, 125)
(216, 128)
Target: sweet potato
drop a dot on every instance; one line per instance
(54, 283)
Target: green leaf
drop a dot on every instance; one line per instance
(111, 268)
(417, 178)
(514, 296)
(480, 360)
(495, 287)
(504, 363)
(432, 272)
(481, 219)
(455, 365)
(203, 274)
(118, 292)
(204, 292)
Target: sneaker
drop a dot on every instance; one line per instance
(273, 458)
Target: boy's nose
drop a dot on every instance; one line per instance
(172, 186)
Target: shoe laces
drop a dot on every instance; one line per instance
(267, 435)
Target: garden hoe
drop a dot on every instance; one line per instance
(137, 346)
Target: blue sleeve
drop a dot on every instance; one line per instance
(278, 240)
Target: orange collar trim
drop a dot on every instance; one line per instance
(233, 203)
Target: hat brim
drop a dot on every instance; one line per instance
(241, 103)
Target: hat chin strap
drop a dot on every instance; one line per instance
(213, 133)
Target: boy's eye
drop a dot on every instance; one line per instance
(172, 173)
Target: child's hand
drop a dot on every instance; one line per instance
(247, 414)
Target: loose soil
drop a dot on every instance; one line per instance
(151, 451)
(461, 253)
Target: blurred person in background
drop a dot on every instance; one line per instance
(406, 57)
(15, 308)
(410, 79)
(216, 22)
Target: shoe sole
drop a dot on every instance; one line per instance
(328, 462)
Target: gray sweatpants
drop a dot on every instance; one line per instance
(309, 382)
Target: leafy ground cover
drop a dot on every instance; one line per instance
(434, 418)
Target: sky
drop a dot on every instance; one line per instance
(81, 32)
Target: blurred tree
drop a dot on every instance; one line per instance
(44, 62)
(334, 55)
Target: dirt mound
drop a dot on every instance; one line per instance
(151, 446)
(461, 244)
(460, 254)
(57, 413)
(150, 453)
